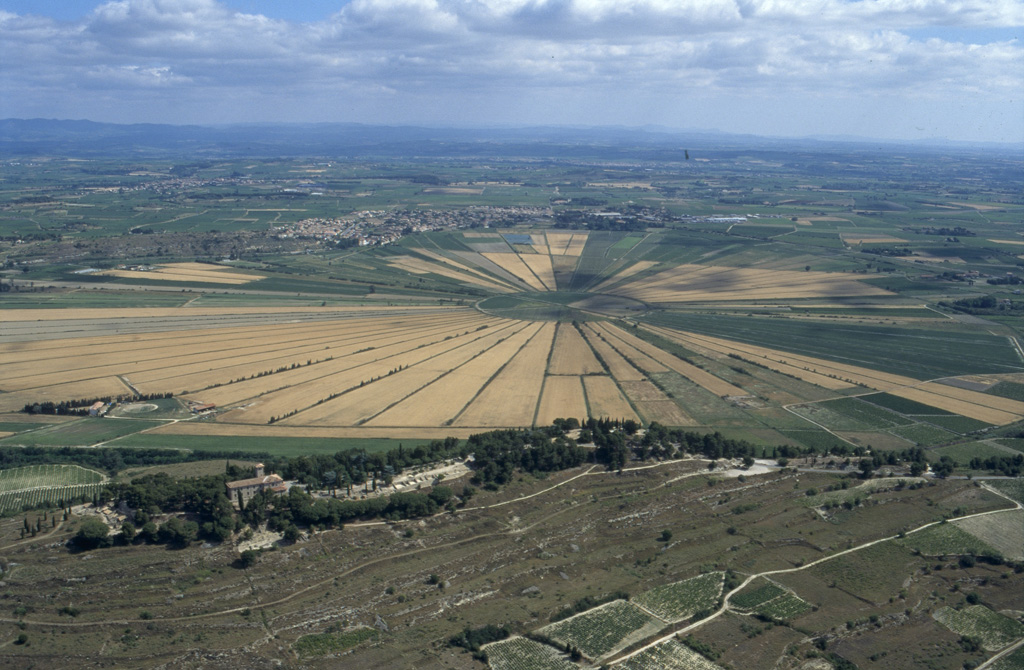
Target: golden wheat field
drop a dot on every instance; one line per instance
(439, 369)
(188, 272)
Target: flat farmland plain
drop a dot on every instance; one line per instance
(623, 350)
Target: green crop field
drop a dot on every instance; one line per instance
(865, 412)
(923, 434)
(958, 424)
(903, 405)
(284, 446)
(922, 353)
(84, 432)
(1012, 390)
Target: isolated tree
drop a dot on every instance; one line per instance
(248, 558)
(91, 533)
(150, 533)
(127, 532)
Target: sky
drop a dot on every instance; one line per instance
(886, 69)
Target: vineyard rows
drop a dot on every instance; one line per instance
(519, 653)
(668, 655)
(17, 500)
(681, 600)
(1014, 661)
(754, 599)
(41, 476)
(994, 630)
(598, 631)
(771, 600)
(784, 607)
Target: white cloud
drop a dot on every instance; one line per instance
(516, 61)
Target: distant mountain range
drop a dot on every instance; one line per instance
(90, 139)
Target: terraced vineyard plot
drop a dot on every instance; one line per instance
(784, 607)
(753, 599)
(43, 476)
(601, 630)
(15, 501)
(1003, 531)
(946, 539)
(520, 653)
(681, 600)
(994, 630)
(667, 655)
